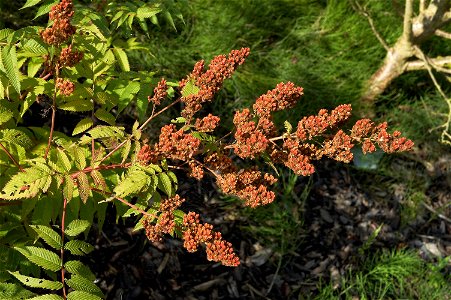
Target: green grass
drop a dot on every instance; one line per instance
(392, 275)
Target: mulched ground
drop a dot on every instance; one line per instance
(341, 212)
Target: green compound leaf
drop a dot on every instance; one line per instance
(68, 187)
(30, 3)
(76, 227)
(42, 257)
(9, 60)
(47, 297)
(45, 8)
(164, 184)
(12, 291)
(122, 58)
(26, 184)
(78, 268)
(81, 295)
(190, 89)
(77, 105)
(37, 282)
(5, 115)
(77, 247)
(50, 236)
(102, 131)
(105, 116)
(147, 12)
(79, 283)
(83, 186)
(82, 126)
(134, 182)
(35, 47)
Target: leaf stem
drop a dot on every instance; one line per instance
(125, 202)
(152, 116)
(11, 157)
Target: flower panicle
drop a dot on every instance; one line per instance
(217, 248)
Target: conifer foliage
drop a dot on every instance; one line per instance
(63, 181)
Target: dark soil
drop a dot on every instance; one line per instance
(344, 207)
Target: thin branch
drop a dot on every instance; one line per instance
(101, 167)
(407, 34)
(63, 220)
(11, 157)
(445, 136)
(443, 34)
(52, 125)
(432, 210)
(125, 202)
(152, 116)
(422, 6)
(436, 63)
(357, 7)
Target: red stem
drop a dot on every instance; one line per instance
(125, 202)
(12, 158)
(140, 128)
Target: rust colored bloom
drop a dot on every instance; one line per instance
(250, 141)
(207, 124)
(285, 95)
(69, 58)
(165, 223)
(210, 82)
(249, 185)
(196, 170)
(176, 144)
(65, 86)
(61, 30)
(159, 93)
(146, 155)
(339, 148)
(217, 249)
(222, 251)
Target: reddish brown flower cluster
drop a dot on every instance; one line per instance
(217, 249)
(176, 144)
(366, 132)
(165, 223)
(61, 30)
(69, 58)
(312, 126)
(146, 155)
(159, 93)
(219, 163)
(248, 185)
(285, 95)
(196, 170)
(250, 141)
(207, 124)
(65, 86)
(210, 82)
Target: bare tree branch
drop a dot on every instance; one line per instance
(422, 6)
(445, 135)
(361, 10)
(443, 34)
(436, 63)
(407, 34)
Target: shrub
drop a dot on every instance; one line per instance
(57, 180)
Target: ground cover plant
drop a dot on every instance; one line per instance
(83, 166)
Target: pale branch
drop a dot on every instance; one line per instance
(422, 6)
(434, 17)
(443, 34)
(407, 23)
(437, 63)
(357, 7)
(445, 136)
